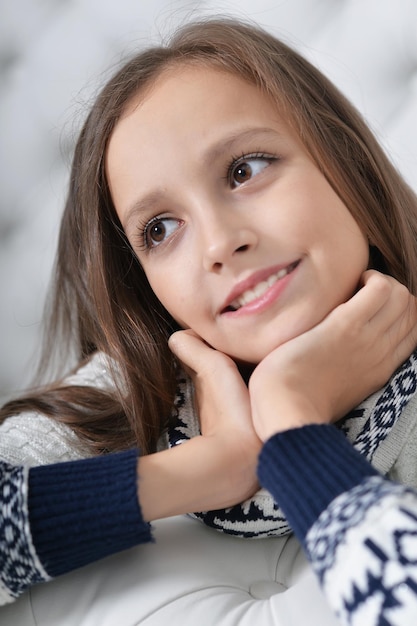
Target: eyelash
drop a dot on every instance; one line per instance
(143, 229)
(145, 226)
(140, 243)
(243, 158)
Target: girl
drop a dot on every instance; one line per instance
(221, 185)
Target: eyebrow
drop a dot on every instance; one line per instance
(247, 134)
(213, 153)
(143, 205)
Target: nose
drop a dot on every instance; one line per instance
(224, 239)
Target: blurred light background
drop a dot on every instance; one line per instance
(54, 54)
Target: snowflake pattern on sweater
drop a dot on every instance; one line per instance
(19, 564)
(257, 517)
(363, 548)
(365, 427)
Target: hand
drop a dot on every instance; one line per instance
(215, 470)
(322, 374)
(223, 409)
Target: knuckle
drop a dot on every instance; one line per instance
(384, 284)
(402, 293)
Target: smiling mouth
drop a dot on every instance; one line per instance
(260, 289)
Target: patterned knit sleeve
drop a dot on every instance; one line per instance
(19, 564)
(358, 529)
(56, 518)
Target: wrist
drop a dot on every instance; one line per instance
(277, 413)
(200, 474)
(307, 468)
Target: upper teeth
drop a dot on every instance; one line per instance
(257, 291)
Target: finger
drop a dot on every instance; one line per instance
(395, 321)
(192, 351)
(215, 374)
(403, 314)
(397, 318)
(401, 336)
(372, 297)
(381, 302)
(402, 350)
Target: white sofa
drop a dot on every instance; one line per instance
(191, 575)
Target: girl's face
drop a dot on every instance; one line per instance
(240, 235)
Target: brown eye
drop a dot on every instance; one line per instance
(160, 229)
(157, 232)
(242, 173)
(246, 168)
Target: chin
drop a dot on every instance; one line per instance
(253, 359)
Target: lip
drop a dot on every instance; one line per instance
(251, 282)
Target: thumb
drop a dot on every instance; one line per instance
(222, 396)
(193, 352)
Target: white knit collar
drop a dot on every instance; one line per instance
(367, 427)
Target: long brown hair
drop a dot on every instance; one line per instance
(101, 299)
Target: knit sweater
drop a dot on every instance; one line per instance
(383, 428)
(356, 526)
(58, 517)
(61, 510)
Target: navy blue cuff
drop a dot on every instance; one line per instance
(306, 468)
(82, 511)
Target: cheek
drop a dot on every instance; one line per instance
(172, 294)
(351, 258)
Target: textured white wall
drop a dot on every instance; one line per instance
(52, 57)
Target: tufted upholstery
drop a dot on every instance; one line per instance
(51, 57)
(191, 576)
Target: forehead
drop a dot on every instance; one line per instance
(188, 104)
(187, 120)
(196, 84)
(189, 110)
